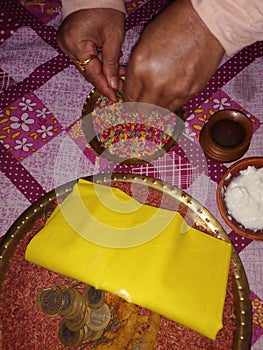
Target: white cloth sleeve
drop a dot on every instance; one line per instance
(235, 23)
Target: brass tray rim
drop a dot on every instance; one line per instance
(243, 333)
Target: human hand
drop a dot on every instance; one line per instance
(80, 36)
(173, 60)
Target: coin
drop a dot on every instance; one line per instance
(95, 335)
(99, 319)
(77, 322)
(50, 300)
(96, 297)
(66, 304)
(69, 337)
(72, 303)
(90, 335)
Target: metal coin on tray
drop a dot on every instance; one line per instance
(95, 297)
(91, 335)
(99, 318)
(50, 300)
(68, 337)
(72, 303)
(95, 335)
(78, 322)
(66, 302)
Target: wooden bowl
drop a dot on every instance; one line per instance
(224, 182)
(226, 136)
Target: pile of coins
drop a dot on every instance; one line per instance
(85, 316)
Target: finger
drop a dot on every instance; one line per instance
(172, 104)
(122, 71)
(170, 100)
(93, 69)
(83, 51)
(122, 74)
(132, 88)
(140, 93)
(95, 75)
(178, 105)
(111, 53)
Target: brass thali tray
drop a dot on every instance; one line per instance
(200, 215)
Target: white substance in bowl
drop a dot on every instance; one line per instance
(244, 198)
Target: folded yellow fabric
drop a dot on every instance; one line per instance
(146, 255)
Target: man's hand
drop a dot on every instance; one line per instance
(96, 33)
(173, 60)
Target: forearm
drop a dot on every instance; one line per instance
(70, 6)
(235, 23)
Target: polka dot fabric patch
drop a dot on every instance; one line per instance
(19, 176)
(44, 10)
(145, 13)
(226, 72)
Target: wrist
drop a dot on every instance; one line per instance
(70, 6)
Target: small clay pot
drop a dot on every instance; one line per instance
(226, 136)
(226, 179)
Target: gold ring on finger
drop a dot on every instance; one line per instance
(82, 64)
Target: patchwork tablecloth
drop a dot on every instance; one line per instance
(41, 140)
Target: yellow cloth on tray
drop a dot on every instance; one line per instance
(164, 265)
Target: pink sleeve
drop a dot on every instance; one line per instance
(235, 23)
(69, 6)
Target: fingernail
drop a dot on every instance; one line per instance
(114, 83)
